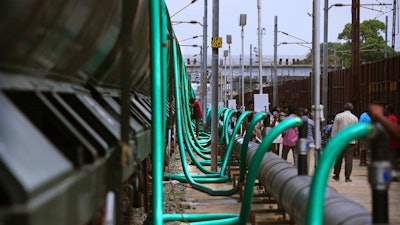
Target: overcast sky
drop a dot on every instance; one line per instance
(294, 18)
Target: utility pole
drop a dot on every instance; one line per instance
(242, 23)
(204, 70)
(214, 88)
(394, 24)
(229, 42)
(316, 73)
(275, 76)
(325, 60)
(220, 80)
(259, 47)
(355, 54)
(386, 32)
(251, 75)
(225, 83)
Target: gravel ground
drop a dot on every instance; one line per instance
(173, 194)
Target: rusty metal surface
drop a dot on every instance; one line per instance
(378, 82)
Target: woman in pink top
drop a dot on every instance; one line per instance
(289, 138)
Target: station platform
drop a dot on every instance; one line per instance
(358, 191)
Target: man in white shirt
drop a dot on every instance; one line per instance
(343, 120)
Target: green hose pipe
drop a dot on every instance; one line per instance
(179, 124)
(192, 181)
(204, 141)
(245, 145)
(192, 147)
(227, 119)
(200, 178)
(315, 206)
(200, 146)
(212, 178)
(186, 105)
(198, 163)
(156, 105)
(208, 162)
(189, 146)
(192, 140)
(221, 110)
(157, 216)
(228, 151)
(227, 221)
(210, 174)
(197, 217)
(256, 161)
(164, 67)
(208, 119)
(259, 116)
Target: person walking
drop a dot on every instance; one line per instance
(305, 113)
(289, 138)
(268, 125)
(363, 143)
(389, 121)
(196, 113)
(377, 113)
(393, 142)
(276, 144)
(341, 121)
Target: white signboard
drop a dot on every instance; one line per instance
(261, 103)
(232, 103)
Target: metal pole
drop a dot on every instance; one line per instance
(220, 79)
(251, 68)
(242, 23)
(394, 24)
(259, 47)
(242, 62)
(275, 77)
(325, 60)
(225, 99)
(355, 55)
(214, 89)
(202, 82)
(229, 41)
(231, 71)
(204, 71)
(302, 148)
(386, 31)
(316, 73)
(378, 175)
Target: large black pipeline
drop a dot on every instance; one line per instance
(291, 191)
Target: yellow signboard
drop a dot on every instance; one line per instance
(216, 42)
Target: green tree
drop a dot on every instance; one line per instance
(372, 44)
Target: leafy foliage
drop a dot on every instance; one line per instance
(372, 44)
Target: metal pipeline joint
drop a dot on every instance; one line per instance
(302, 146)
(379, 175)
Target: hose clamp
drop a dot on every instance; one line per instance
(379, 175)
(303, 145)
